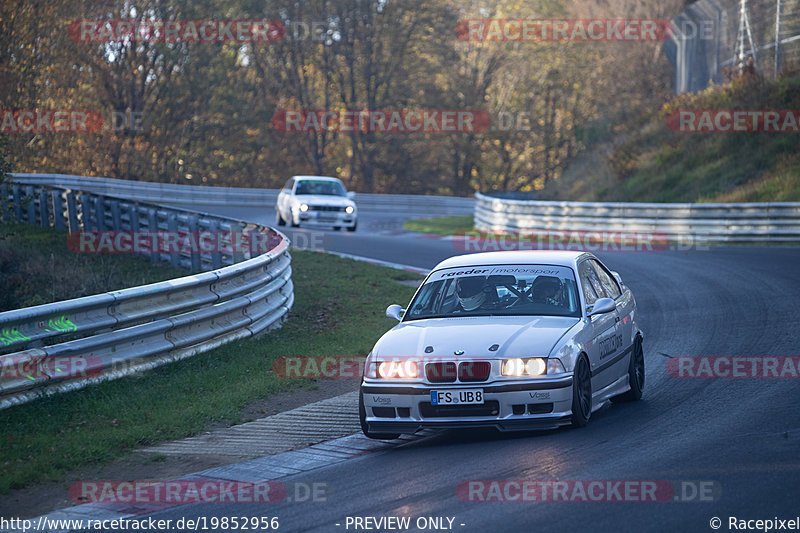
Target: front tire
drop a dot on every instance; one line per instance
(635, 375)
(581, 393)
(362, 417)
(278, 218)
(353, 228)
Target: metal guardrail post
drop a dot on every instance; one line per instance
(216, 254)
(152, 228)
(86, 212)
(133, 216)
(237, 236)
(17, 192)
(30, 197)
(195, 254)
(254, 241)
(58, 210)
(116, 223)
(99, 212)
(172, 226)
(72, 212)
(44, 215)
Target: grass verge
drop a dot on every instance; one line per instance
(38, 268)
(441, 225)
(338, 310)
(652, 163)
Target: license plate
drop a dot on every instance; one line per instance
(457, 397)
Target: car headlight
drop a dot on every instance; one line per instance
(535, 367)
(517, 367)
(303, 207)
(398, 370)
(513, 367)
(349, 209)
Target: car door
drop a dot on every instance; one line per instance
(625, 302)
(605, 339)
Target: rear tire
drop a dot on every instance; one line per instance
(635, 375)
(362, 417)
(581, 393)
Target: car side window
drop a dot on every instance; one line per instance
(590, 284)
(289, 185)
(609, 283)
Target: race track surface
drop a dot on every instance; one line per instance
(739, 436)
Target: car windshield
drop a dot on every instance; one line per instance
(320, 187)
(497, 290)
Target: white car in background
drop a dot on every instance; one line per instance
(316, 201)
(510, 340)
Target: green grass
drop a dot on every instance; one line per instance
(441, 225)
(339, 310)
(652, 163)
(38, 268)
(710, 167)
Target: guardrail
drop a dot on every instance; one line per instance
(773, 222)
(203, 195)
(129, 330)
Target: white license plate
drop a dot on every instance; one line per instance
(457, 397)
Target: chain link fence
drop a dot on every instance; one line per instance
(715, 40)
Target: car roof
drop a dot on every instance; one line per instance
(518, 257)
(325, 178)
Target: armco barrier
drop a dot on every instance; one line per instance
(234, 196)
(776, 222)
(120, 332)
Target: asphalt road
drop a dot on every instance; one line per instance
(741, 436)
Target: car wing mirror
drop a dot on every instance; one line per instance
(395, 311)
(601, 307)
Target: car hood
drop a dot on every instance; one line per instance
(324, 199)
(515, 336)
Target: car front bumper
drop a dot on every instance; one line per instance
(508, 406)
(327, 218)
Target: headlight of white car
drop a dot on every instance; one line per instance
(394, 369)
(398, 370)
(303, 207)
(531, 367)
(349, 209)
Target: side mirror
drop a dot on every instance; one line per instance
(601, 307)
(351, 195)
(396, 312)
(616, 275)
